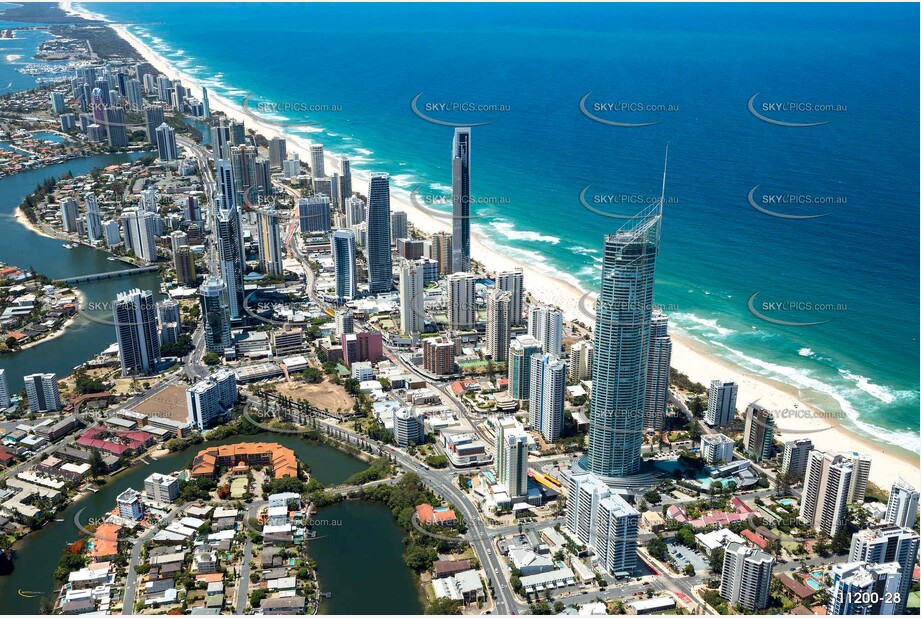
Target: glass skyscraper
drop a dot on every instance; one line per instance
(380, 266)
(460, 198)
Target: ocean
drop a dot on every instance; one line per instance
(346, 75)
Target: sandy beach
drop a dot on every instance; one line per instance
(888, 462)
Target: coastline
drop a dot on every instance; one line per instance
(688, 357)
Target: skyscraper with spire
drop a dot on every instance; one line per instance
(380, 264)
(460, 200)
(623, 314)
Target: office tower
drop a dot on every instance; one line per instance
(603, 521)
(140, 229)
(184, 263)
(460, 199)
(278, 151)
(399, 227)
(57, 103)
(412, 306)
(226, 185)
(343, 246)
(580, 361)
(861, 589)
(135, 319)
(205, 103)
(547, 390)
(93, 219)
(169, 321)
(166, 143)
(715, 448)
(355, 212)
(216, 315)
(824, 501)
(116, 131)
(232, 258)
(512, 457)
(317, 167)
(42, 392)
(442, 251)
(220, 142)
(512, 281)
(721, 403)
(69, 214)
(498, 324)
(461, 301)
(746, 577)
(363, 346)
(407, 427)
(211, 399)
(902, 509)
(861, 477)
(153, 118)
(237, 133)
(546, 325)
(657, 372)
(112, 233)
(438, 355)
(759, 432)
(313, 213)
(345, 181)
(135, 95)
(795, 457)
(4, 390)
(380, 267)
(270, 257)
(621, 341)
(345, 322)
(520, 351)
(888, 544)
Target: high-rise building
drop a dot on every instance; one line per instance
(291, 167)
(211, 399)
(438, 355)
(498, 324)
(112, 233)
(888, 544)
(657, 372)
(116, 130)
(4, 390)
(861, 589)
(220, 142)
(148, 201)
(746, 577)
(399, 226)
(412, 306)
(363, 346)
(602, 520)
(721, 403)
(278, 151)
(345, 322)
(166, 143)
(271, 261)
(140, 230)
(512, 281)
(184, 263)
(237, 133)
(380, 266)
(205, 103)
(824, 501)
(861, 477)
(69, 214)
(135, 95)
(580, 361)
(512, 457)
(621, 341)
(215, 315)
(795, 457)
(42, 392)
(716, 448)
(460, 200)
(759, 432)
(546, 325)
(57, 103)
(407, 426)
(226, 186)
(355, 211)
(161, 488)
(93, 218)
(441, 251)
(343, 247)
(135, 318)
(345, 181)
(153, 118)
(317, 164)
(169, 321)
(243, 163)
(232, 259)
(548, 391)
(129, 505)
(313, 213)
(520, 351)
(902, 509)
(461, 288)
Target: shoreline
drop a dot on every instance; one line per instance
(687, 356)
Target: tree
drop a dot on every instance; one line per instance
(689, 569)
(255, 599)
(652, 496)
(443, 607)
(211, 359)
(541, 608)
(558, 607)
(97, 465)
(716, 560)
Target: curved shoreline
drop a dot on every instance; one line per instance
(700, 365)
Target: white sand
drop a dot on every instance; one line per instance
(888, 462)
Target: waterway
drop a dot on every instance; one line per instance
(38, 554)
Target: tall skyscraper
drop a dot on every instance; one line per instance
(345, 182)
(888, 544)
(215, 315)
(861, 589)
(512, 281)
(169, 321)
(116, 131)
(795, 458)
(460, 199)
(166, 143)
(657, 372)
(135, 317)
(602, 520)
(278, 151)
(545, 324)
(317, 164)
(823, 505)
(399, 226)
(520, 351)
(442, 251)
(902, 509)
(746, 577)
(759, 432)
(498, 324)
(548, 390)
(220, 142)
(343, 246)
(461, 289)
(111, 233)
(580, 361)
(153, 118)
(4, 390)
(270, 257)
(412, 310)
(69, 214)
(355, 211)
(57, 103)
(237, 133)
(512, 456)
(140, 230)
(313, 213)
(205, 103)
(226, 185)
(210, 400)
(93, 218)
(232, 259)
(861, 477)
(42, 392)
(184, 263)
(721, 403)
(380, 266)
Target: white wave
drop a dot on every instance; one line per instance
(583, 250)
(508, 230)
(882, 393)
(711, 324)
(807, 352)
(403, 180)
(364, 151)
(435, 186)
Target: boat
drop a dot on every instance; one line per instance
(111, 259)
(67, 245)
